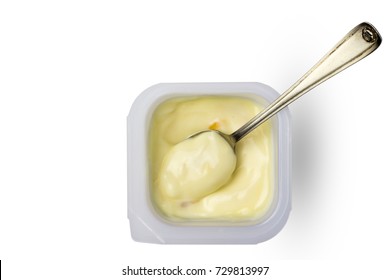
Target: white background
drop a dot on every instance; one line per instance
(69, 72)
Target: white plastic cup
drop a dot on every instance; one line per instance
(148, 225)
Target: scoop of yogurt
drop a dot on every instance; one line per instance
(197, 167)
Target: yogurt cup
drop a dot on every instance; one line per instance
(148, 225)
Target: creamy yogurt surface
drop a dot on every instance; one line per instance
(188, 176)
(196, 167)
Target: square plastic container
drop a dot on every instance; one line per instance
(148, 225)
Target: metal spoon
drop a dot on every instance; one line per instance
(357, 44)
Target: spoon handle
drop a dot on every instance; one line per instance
(357, 44)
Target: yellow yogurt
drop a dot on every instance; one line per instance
(204, 193)
(196, 167)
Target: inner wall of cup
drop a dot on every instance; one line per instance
(262, 100)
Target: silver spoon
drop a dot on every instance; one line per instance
(176, 182)
(357, 44)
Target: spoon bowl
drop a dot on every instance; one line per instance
(229, 138)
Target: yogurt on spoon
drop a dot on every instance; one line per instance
(197, 167)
